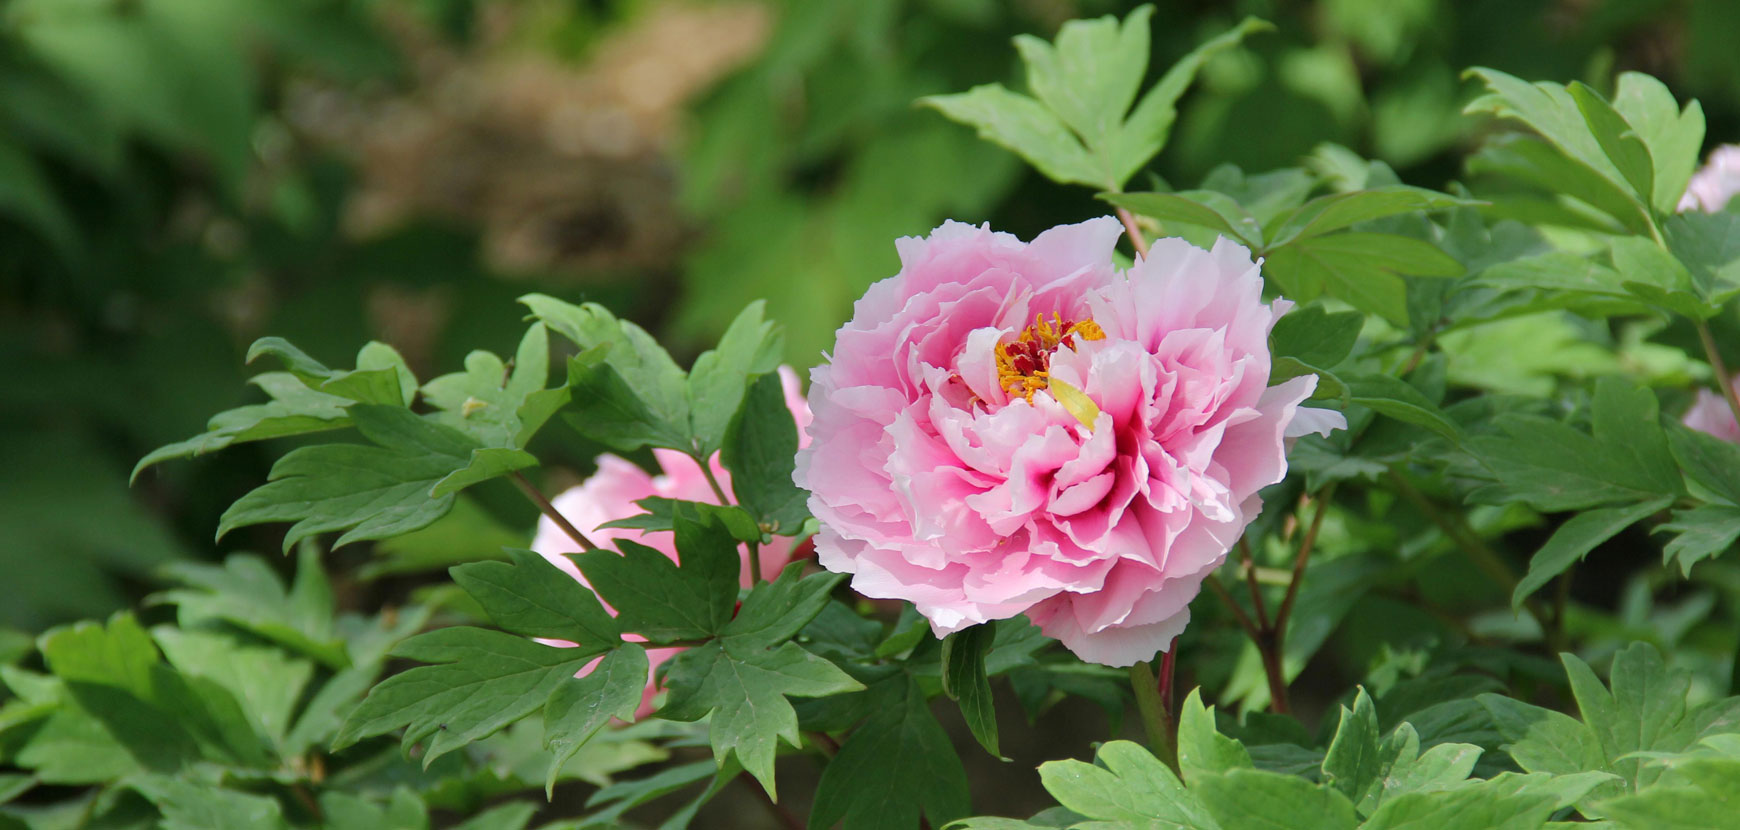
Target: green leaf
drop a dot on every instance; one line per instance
(1463, 808)
(1090, 77)
(380, 377)
(661, 515)
(1708, 246)
(498, 407)
(745, 692)
(1542, 740)
(1202, 208)
(776, 611)
(1314, 336)
(533, 597)
(1673, 136)
(369, 492)
(720, 378)
(761, 452)
(1351, 764)
(1150, 123)
(1710, 801)
(294, 409)
(964, 681)
(1399, 400)
(1126, 784)
(894, 768)
(1388, 251)
(483, 680)
(1576, 537)
(1257, 798)
(246, 592)
(1652, 275)
(607, 408)
(1550, 109)
(1700, 533)
(1710, 464)
(655, 598)
(1554, 467)
(1024, 127)
(1341, 210)
(265, 681)
(1618, 140)
(344, 811)
(636, 358)
(578, 709)
(191, 806)
(1202, 750)
(1645, 711)
(27, 194)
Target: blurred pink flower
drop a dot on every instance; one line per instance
(1715, 183)
(611, 493)
(1010, 427)
(1710, 413)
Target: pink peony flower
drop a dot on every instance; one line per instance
(611, 493)
(1007, 427)
(1710, 414)
(1715, 183)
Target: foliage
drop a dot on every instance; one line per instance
(1459, 568)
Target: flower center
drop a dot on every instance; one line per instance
(1023, 365)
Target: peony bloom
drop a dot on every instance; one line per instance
(611, 493)
(1007, 428)
(1710, 414)
(1714, 183)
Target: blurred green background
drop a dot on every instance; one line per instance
(179, 177)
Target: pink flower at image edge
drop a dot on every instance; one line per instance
(1710, 189)
(610, 494)
(1711, 414)
(952, 465)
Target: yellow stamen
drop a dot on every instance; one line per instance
(1022, 366)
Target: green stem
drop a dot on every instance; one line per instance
(1723, 380)
(554, 514)
(713, 482)
(1156, 719)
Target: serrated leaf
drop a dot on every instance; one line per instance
(607, 408)
(657, 599)
(898, 766)
(1700, 533)
(1351, 764)
(745, 692)
(191, 806)
(1256, 798)
(247, 593)
(1305, 272)
(1554, 467)
(265, 681)
(965, 682)
(661, 515)
(761, 451)
(294, 409)
(1145, 132)
(721, 377)
(1202, 750)
(634, 355)
(1708, 245)
(1399, 400)
(775, 611)
(533, 597)
(1464, 808)
(1024, 127)
(578, 709)
(501, 409)
(370, 492)
(1672, 135)
(1710, 464)
(1618, 140)
(482, 680)
(1576, 537)
(1126, 783)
